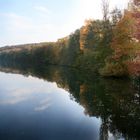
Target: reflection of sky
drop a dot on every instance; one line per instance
(16, 89)
(44, 104)
(39, 109)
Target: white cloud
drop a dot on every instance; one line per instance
(42, 9)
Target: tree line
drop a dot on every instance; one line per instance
(110, 46)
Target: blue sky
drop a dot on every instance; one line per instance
(30, 21)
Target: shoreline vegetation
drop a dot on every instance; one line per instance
(109, 47)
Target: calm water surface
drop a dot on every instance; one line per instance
(56, 108)
(31, 108)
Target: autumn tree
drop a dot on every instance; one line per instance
(122, 46)
(134, 64)
(105, 9)
(86, 35)
(90, 34)
(116, 16)
(107, 28)
(136, 15)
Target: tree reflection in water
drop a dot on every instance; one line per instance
(115, 101)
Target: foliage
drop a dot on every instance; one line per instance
(123, 47)
(110, 46)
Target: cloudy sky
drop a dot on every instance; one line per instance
(30, 21)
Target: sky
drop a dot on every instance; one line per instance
(33, 21)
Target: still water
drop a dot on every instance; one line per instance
(58, 104)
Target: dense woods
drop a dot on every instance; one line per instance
(110, 47)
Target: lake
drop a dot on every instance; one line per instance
(66, 104)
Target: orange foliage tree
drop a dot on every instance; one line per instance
(122, 46)
(134, 64)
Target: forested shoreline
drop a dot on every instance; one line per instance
(109, 47)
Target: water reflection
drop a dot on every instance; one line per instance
(43, 105)
(113, 105)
